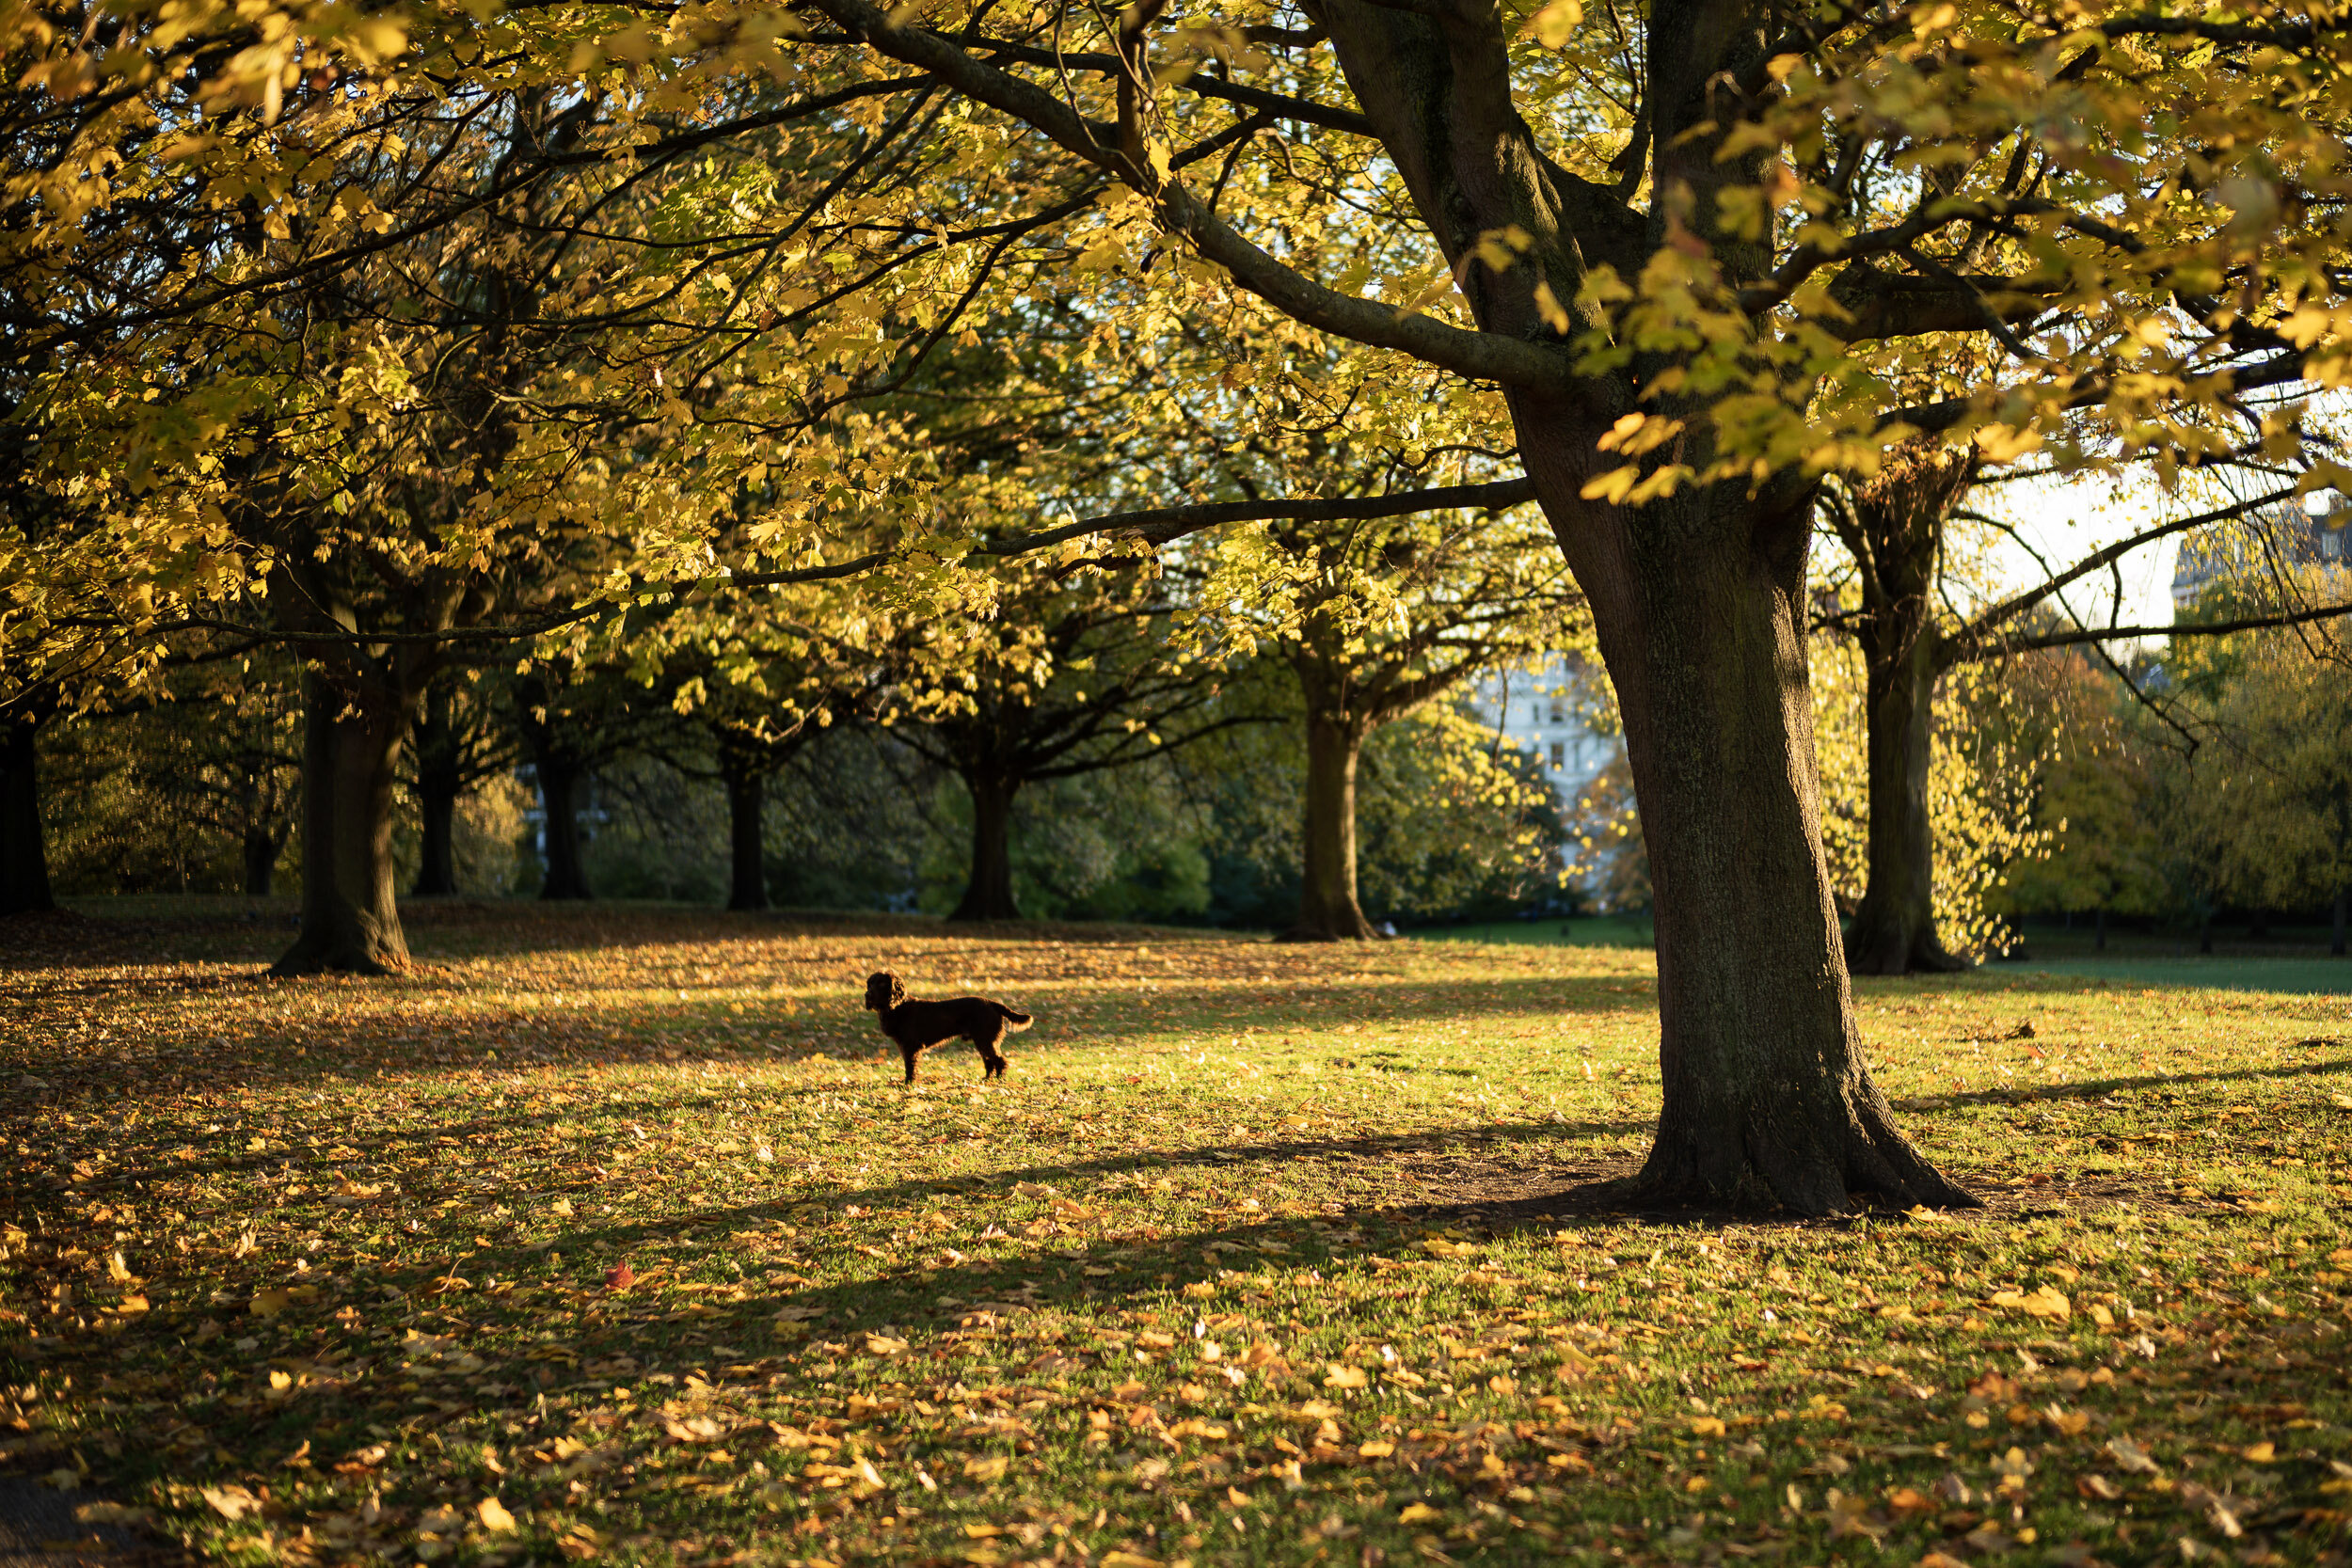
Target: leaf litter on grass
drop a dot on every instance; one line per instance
(608, 1237)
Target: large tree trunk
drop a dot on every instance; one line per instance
(1766, 1095)
(351, 742)
(560, 781)
(1697, 597)
(24, 856)
(1327, 907)
(1893, 930)
(989, 894)
(747, 797)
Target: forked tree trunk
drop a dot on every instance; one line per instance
(351, 743)
(24, 856)
(560, 781)
(747, 798)
(1893, 930)
(988, 893)
(1327, 906)
(1696, 598)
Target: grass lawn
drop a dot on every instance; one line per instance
(610, 1235)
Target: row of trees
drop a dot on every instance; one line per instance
(383, 337)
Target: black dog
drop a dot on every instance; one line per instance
(916, 1026)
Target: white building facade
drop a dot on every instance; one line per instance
(1538, 710)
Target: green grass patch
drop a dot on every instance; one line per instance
(609, 1236)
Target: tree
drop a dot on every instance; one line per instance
(2268, 792)
(1376, 618)
(1917, 621)
(461, 739)
(1074, 676)
(1681, 365)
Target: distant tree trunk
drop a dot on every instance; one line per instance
(2258, 925)
(1327, 906)
(440, 782)
(747, 797)
(2204, 932)
(560, 779)
(1894, 527)
(2099, 919)
(351, 741)
(2335, 943)
(988, 893)
(1893, 930)
(24, 856)
(436, 847)
(261, 860)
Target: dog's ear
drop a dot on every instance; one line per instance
(898, 991)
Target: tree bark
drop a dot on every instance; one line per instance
(747, 798)
(261, 860)
(1893, 930)
(559, 779)
(1766, 1095)
(1327, 906)
(351, 741)
(987, 896)
(440, 782)
(436, 858)
(24, 854)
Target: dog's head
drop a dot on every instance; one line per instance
(883, 992)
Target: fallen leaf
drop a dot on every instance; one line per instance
(2132, 1457)
(269, 1303)
(493, 1515)
(1413, 1513)
(230, 1502)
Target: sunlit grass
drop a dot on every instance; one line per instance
(610, 1234)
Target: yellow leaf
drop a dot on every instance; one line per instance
(230, 1502)
(1705, 1426)
(1413, 1513)
(987, 1468)
(493, 1515)
(269, 1303)
(2261, 1453)
(1379, 1449)
(1551, 25)
(1345, 1377)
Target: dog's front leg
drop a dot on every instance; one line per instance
(909, 1054)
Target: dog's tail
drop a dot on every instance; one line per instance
(1014, 1021)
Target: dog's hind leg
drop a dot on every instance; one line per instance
(991, 1059)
